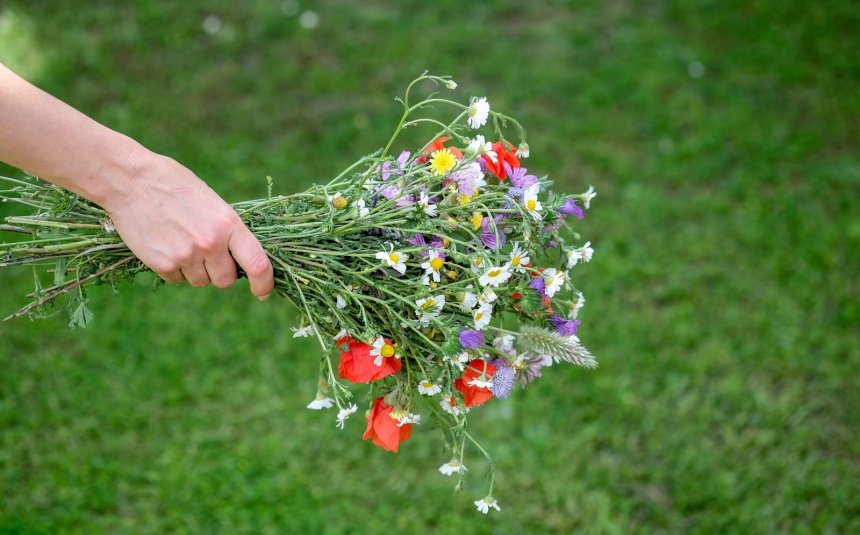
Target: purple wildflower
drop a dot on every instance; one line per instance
(570, 208)
(389, 169)
(538, 285)
(437, 243)
(519, 178)
(555, 225)
(488, 233)
(563, 326)
(531, 371)
(404, 201)
(417, 240)
(471, 339)
(468, 179)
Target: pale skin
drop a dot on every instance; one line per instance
(170, 219)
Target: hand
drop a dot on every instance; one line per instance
(181, 229)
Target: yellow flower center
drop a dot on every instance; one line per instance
(387, 350)
(479, 261)
(397, 414)
(478, 316)
(464, 200)
(433, 285)
(429, 303)
(494, 273)
(427, 384)
(531, 204)
(436, 264)
(476, 220)
(442, 161)
(394, 257)
(515, 261)
(452, 275)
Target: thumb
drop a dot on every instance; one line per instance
(252, 258)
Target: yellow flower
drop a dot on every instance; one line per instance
(476, 220)
(464, 200)
(442, 161)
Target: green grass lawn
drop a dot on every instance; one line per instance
(723, 299)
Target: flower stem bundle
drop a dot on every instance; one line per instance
(441, 275)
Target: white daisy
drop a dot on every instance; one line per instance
(519, 258)
(409, 419)
(303, 332)
(433, 265)
(453, 410)
(531, 202)
(477, 382)
(554, 280)
(452, 467)
(523, 150)
(393, 259)
(341, 302)
(482, 316)
(504, 343)
(494, 276)
(519, 362)
(478, 264)
(485, 504)
(575, 307)
(459, 360)
(429, 308)
(344, 414)
(481, 147)
(361, 208)
(382, 349)
(583, 254)
(321, 402)
(469, 299)
(587, 196)
(426, 206)
(479, 111)
(487, 296)
(427, 388)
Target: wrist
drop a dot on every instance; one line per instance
(117, 175)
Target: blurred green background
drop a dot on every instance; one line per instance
(722, 138)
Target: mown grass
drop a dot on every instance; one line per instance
(722, 300)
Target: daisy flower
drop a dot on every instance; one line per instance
(587, 196)
(484, 505)
(483, 148)
(479, 112)
(382, 348)
(433, 265)
(487, 296)
(523, 150)
(393, 259)
(477, 382)
(530, 202)
(459, 361)
(505, 343)
(478, 262)
(482, 316)
(469, 299)
(453, 466)
(426, 387)
(344, 414)
(518, 258)
(361, 208)
(494, 276)
(426, 206)
(554, 280)
(575, 307)
(429, 308)
(303, 332)
(442, 161)
(453, 410)
(410, 418)
(583, 254)
(321, 402)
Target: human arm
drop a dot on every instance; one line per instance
(168, 217)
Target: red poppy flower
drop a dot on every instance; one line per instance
(356, 364)
(503, 155)
(438, 144)
(383, 428)
(475, 395)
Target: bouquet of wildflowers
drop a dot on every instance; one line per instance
(438, 277)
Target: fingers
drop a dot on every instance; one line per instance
(253, 259)
(221, 269)
(196, 275)
(172, 277)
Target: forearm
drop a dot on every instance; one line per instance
(51, 140)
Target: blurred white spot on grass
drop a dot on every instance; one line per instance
(19, 48)
(290, 8)
(309, 20)
(696, 69)
(212, 24)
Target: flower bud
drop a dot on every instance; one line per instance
(523, 150)
(339, 201)
(450, 84)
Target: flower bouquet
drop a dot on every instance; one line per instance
(440, 276)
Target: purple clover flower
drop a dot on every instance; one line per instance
(503, 381)
(563, 326)
(471, 339)
(531, 371)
